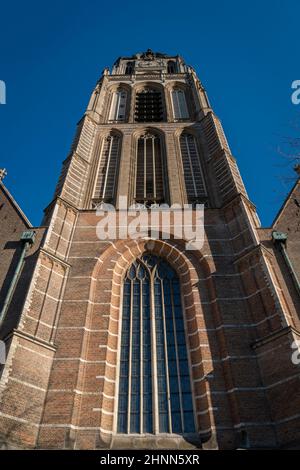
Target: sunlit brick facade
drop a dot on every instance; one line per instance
(150, 134)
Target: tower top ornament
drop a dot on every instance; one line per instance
(3, 173)
(148, 55)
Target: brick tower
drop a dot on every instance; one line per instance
(142, 343)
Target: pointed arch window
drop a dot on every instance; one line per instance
(105, 185)
(154, 380)
(171, 66)
(180, 110)
(149, 181)
(129, 68)
(193, 174)
(118, 106)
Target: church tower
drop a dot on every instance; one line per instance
(141, 342)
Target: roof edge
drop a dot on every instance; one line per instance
(276, 218)
(16, 205)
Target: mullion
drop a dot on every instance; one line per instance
(162, 387)
(139, 190)
(147, 373)
(158, 170)
(187, 143)
(177, 424)
(102, 169)
(111, 141)
(141, 354)
(166, 355)
(112, 168)
(163, 411)
(135, 361)
(184, 376)
(124, 371)
(175, 332)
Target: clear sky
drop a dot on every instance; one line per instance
(246, 53)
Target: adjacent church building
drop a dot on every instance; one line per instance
(140, 342)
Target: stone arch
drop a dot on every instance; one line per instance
(148, 84)
(152, 129)
(110, 130)
(190, 268)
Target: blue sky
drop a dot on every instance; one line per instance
(52, 53)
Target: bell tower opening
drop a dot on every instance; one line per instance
(149, 107)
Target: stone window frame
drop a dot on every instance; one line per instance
(189, 99)
(151, 274)
(102, 198)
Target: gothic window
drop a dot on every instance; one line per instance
(171, 66)
(180, 110)
(149, 185)
(148, 107)
(154, 381)
(107, 171)
(118, 106)
(193, 176)
(129, 68)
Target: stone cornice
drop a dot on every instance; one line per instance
(251, 251)
(274, 335)
(235, 199)
(55, 258)
(64, 201)
(33, 339)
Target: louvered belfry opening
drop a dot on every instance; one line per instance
(148, 107)
(149, 187)
(171, 67)
(129, 68)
